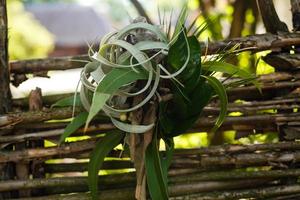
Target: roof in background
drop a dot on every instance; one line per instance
(71, 24)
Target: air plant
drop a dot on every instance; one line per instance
(152, 85)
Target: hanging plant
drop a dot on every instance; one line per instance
(152, 85)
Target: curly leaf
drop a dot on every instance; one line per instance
(221, 92)
(129, 128)
(116, 78)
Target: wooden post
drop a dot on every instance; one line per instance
(270, 17)
(5, 95)
(295, 4)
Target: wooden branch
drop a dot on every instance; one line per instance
(91, 130)
(5, 95)
(256, 121)
(283, 61)
(273, 77)
(280, 159)
(178, 185)
(252, 93)
(6, 169)
(82, 167)
(43, 153)
(270, 17)
(235, 149)
(138, 6)
(47, 100)
(246, 156)
(295, 7)
(35, 116)
(253, 43)
(47, 64)
(257, 193)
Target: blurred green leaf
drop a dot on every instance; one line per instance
(75, 124)
(216, 66)
(68, 101)
(221, 92)
(156, 179)
(101, 150)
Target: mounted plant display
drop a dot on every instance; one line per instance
(152, 84)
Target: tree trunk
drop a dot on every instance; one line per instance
(5, 95)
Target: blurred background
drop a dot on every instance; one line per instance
(48, 28)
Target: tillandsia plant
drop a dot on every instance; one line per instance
(151, 83)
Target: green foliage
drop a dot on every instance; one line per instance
(221, 92)
(116, 78)
(129, 64)
(101, 150)
(27, 38)
(75, 124)
(156, 179)
(68, 101)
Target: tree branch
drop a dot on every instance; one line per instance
(253, 43)
(141, 10)
(270, 17)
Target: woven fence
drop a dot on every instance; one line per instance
(30, 170)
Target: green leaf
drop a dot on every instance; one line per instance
(221, 92)
(101, 150)
(68, 101)
(217, 66)
(157, 184)
(199, 99)
(75, 124)
(116, 78)
(180, 21)
(177, 56)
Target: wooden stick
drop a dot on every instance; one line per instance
(91, 130)
(251, 43)
(257, 193)
(235, 149)
(29, 154)
(175, 190)
(47, 64)
(127, 179)
(7, 169)
(270, 17)
(127, 194)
